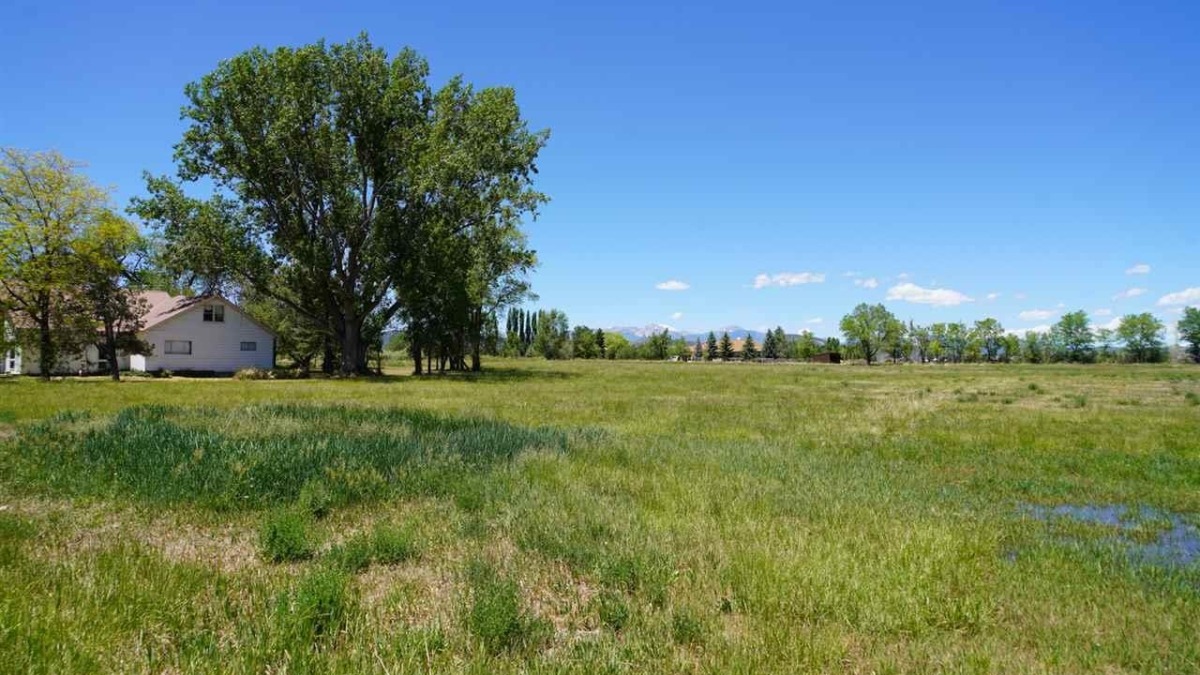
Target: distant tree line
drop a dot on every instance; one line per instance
(872, 332)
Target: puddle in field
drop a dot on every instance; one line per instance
(1148, 535)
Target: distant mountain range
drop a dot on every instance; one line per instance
(640, 333)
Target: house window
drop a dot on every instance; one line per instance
(179, 347)
(249, 346)
(214, 313)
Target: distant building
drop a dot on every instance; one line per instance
(827, 357)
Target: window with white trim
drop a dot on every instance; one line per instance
(214, 313)
(178, 347)
(249, 346)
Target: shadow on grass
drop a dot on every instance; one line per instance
(260, 456)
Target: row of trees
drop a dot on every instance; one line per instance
(349, 196)
(872, 331)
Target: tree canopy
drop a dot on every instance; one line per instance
(350, 192)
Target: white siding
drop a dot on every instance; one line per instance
(215, 345)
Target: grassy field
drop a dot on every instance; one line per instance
(601, 517)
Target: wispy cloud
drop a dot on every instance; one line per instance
(1129, 293)
(1185, 297)
(992, 296)
(852, 274)
(815, 321)
(1140, 268)
(1036, 314)
(677, 316)
(788, 279)
(941, 297)
(1102, 312)
(673, 285)
(1111, 324)
(1020, 296)
(903, 275)
(1041, 328)
(869, 282)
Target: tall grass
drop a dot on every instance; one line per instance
(268, 455)
(600, 517)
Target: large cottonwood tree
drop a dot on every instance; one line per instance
(342, 161)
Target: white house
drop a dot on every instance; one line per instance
(200, 333)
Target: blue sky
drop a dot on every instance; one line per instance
(942, 152)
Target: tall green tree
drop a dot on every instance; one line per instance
(749, 349)
(343, 160)
(770, 349)
(583, 343)
(726, 347)
(869, 328)
(46, 208)
(1072, 338)
(1189, 332)
(552, 340)
(1142, 335)
(990, 335)
(711, 353)
(601, 344)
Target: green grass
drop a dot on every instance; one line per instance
(613, 517)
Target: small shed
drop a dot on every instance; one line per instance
(827, 357)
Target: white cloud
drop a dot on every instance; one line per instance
(1185, 297)
(941, 297)
(1020, 296)
(673, 285)
(1140, 268)
(815, 321)
(992, 296)
(1129, 293)
(1041, 328)
(1102, 312)
(788, 279)
(1036, 314)
(852, 274)
(1111, 324)
(677, 316)
(902, 276)
(870, 282)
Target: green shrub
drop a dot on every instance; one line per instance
(1192, 398)
(613, 610)
(493, 611)
(285, 536)
(317, 607)
(315, 499)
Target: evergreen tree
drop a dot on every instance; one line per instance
(770, 350)
(711, 347)
(698, 351)
(782, 346)
(726, 347)
(600, 346)
(749, 349)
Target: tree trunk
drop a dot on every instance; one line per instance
(415, 351)
(46, 344)
(110, 348)
(328, 357)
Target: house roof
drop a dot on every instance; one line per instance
(163, 306)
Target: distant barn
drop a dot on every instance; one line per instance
(827, 357)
